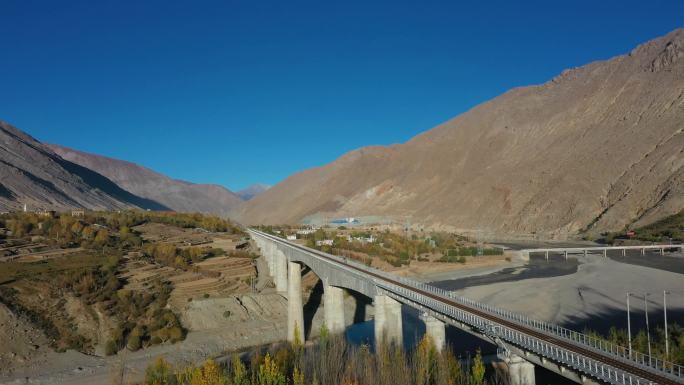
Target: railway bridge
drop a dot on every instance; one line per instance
(642, 249)
(523, 342)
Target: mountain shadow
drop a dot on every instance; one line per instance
(104, 184)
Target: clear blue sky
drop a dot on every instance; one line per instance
(239, 92)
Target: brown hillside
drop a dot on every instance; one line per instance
(32, 174)
(598, 147)
(176, 194)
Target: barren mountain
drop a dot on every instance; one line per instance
(175, 194)
(32, 174)
(252, 191)
(598, 147)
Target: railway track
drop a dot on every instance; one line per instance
(635, 370)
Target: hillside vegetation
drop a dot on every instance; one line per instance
(367, 244)
(332, 361)
(64, 274)
(666, 230)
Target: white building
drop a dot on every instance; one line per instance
(369, 239)
(324, 242)
(292, 237)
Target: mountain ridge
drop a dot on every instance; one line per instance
(178, 195)
(253, 190)
(34, 175)
(514, 165)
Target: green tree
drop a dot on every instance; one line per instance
(477, 371)
(240, 374)
(102, 237)
(269, 374)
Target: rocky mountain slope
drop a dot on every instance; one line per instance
(252, 191)
(32, 174)
(175, 194)
(596, 148)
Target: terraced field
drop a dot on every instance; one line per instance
(215, 277)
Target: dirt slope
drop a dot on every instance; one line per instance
(175, 194)
(32, 174)
(598, 147)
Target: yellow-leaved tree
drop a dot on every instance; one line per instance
(269, 374)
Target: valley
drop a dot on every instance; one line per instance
(535, 237)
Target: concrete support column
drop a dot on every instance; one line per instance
(525, 255)
(605, 253)
(520, 371)
(267, 252)
(566, 255)
(295, 308)
(388, 325)
(436, 330)
(624, 252)
(272, 260)
(333, 308)
(643, 251)
(662, 251)
(280, 267)
(585, 253)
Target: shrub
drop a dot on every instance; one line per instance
(176, 334)
(134, 342)
(159, 373)
(111, 347)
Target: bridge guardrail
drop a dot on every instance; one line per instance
(558, 331)
(568, 358)
(548, 328)
(580, 339)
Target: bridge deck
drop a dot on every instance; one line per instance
(602, 248)
(626, 365)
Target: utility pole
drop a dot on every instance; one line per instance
(667, 340)
(648, 331)
(629, 326)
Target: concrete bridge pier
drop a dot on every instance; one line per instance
(520, 371)
(436, 330)
(280, 267)
(269, 254)
(295, 307)
(525, 255)
(388, 324)
(333, 308)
